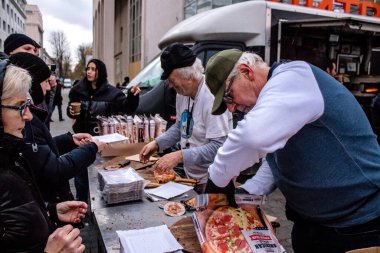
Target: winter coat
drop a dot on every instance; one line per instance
(24, 219)
(58, 95)
(106, 100)
(375, 116)
(55, 160)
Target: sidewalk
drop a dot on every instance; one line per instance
(275, 205)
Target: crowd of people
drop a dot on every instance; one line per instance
(38, 211)
(326, 165)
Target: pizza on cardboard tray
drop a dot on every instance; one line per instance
(223, 229)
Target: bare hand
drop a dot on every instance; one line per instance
(81, 138)
(148, 150)
(65, 240)
(169, 161)
(101, 145)
(135, 89)
(71, 211)
(53, 81)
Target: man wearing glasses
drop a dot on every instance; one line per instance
(316, 139)
(199, 133)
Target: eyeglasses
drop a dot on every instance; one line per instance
(228, 97)
(21, 108)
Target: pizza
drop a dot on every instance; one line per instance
(164, 176)
(223, 229)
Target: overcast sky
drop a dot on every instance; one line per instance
(73, 17)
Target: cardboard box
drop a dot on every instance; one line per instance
(366, 250)
(120, 148)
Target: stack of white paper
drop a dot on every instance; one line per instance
(121, 185)
(108, 138)
(169, 190)
(153, 240)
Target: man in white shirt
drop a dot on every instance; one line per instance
(199, 133)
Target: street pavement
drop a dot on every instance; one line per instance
(274, 206)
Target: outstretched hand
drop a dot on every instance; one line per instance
(65, 240)
(81, 138)
(71, 211)
(148, 150)
(135, 90)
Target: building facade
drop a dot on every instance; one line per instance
(34, 24)
(126, 32)
(12, 18)
(34, 28)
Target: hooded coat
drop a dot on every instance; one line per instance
(105, 100)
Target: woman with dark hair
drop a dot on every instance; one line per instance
(25, 221)
(98, 97)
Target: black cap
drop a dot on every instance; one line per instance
(16, 40)
(176, 56)
(37, 68)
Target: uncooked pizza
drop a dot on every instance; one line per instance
(223, 229)
(164, 176)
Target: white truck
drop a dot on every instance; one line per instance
(278, 31)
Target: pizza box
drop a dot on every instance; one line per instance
(123, 147)
(366, 250)
(222, 228)
(144, 170)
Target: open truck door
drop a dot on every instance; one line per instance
(351, 43)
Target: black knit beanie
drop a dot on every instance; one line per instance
(16, 40)
(37, 68)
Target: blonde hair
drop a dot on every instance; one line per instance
(16, 80)
(251, 59)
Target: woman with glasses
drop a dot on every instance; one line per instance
(25, 221)
(54, 160)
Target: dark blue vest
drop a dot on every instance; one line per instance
(329, 171)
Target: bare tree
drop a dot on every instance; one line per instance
(80, 69)
(66, 68)
(61, 50)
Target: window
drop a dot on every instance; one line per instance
(203, 5)
(135, 31)
(9, 29)
(8, 8)
(3, 4)
(190, 8)
(4, 25)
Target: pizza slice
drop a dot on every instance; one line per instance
(164, 176)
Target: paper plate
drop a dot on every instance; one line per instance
(174, 209)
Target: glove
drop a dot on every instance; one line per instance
(229, 191)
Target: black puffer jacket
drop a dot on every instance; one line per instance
(375, 116)
(24, 221)
(106, 100)
(55, 160)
